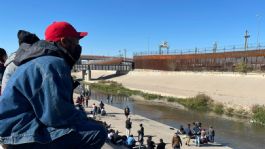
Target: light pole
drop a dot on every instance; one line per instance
(258, 27)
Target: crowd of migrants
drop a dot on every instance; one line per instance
(197, 133)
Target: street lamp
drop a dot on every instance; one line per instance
(125, 54)
(258, 27)
(119, 53)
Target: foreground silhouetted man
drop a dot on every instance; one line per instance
(36, 108)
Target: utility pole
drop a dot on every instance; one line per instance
(214, 47)
(125, 54)
(246, 44)
(246, 40)
(119, 53)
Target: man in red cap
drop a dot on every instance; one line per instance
(36, 110)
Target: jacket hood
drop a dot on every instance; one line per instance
(40, 48)
(10, 59)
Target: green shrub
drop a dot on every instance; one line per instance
(241, 113)
(110, 87)
(171, 99)
(258, 114)
(201, 102)
(229, 111)
(151, 96)
(241, 67)
(218, 108)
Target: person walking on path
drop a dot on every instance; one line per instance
(101, 105)
(128, 125)
(38, 112)
(176, 141)
(127, 111)
(87, 99)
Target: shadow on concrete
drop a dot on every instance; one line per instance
(117, 74)
(213, 145)
(113, 113)
(113, 146)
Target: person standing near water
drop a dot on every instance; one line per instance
(141, 135)
(128, 125)
(127, 111)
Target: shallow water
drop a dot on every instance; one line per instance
(238, 134)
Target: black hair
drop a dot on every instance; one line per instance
(3, 55)
(26, 37)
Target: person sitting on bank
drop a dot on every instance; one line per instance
(203, 138)
(161, 145)
(131, 142)
(150, 143)
(103, 112)
(37, 110)
(181, 130)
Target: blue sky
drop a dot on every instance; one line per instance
(138, 25)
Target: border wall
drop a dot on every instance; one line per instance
(223, 61)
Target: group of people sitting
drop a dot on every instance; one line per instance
(100, 109)
(130, 142)
(201, 135)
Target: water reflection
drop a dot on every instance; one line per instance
(235, 134)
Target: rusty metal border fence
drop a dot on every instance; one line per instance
(228, 48)
(200, 60)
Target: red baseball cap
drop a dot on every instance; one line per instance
(58, 30)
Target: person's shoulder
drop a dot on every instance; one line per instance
(51, 61)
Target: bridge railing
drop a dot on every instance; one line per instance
(121, 67)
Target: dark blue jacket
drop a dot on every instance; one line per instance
(37, 104)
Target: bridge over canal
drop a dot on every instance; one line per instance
(88, 63)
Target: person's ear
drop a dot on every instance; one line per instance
(65, 42)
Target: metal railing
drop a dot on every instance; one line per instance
(121, 67)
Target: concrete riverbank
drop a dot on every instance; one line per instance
(116, 118)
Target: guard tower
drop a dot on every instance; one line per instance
(165, 45)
